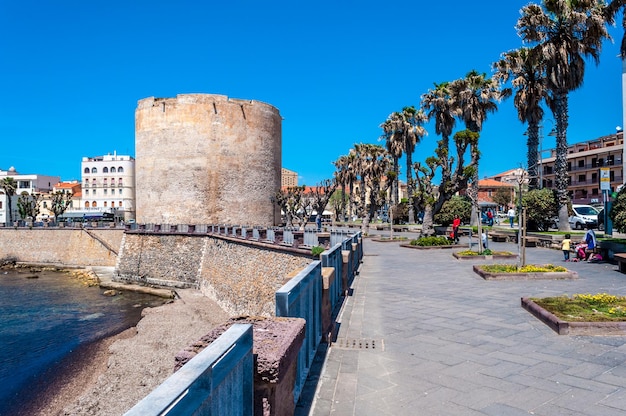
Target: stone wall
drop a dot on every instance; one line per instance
(241, 277)
(207, 159)
(71, 247)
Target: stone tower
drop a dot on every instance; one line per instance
(207, 159)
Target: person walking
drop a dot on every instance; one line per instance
(456, 223)
(511, 215)
(566, 245)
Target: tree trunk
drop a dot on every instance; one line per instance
(409, 187)
(428, 228)
(533, 150)
(560, 163)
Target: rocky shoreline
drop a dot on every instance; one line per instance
(110, 376)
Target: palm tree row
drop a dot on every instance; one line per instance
(557, 37)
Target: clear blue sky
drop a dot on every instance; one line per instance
(72, 73)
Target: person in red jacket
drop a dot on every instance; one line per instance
(456, 223)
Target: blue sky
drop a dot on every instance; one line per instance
(72, 73)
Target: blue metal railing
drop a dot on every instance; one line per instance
(218, 381)
(333, 258)
(301, 298)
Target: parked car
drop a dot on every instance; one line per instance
(584, 215)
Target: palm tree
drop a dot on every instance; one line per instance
(526, 70)
(9, 187)
(610, 12)
(564, 33)
(395, 148)
(408, 126)
(438, 104)
(475, 97)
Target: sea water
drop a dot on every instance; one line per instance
(44, 319)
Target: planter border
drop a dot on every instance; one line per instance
(435, 247)
(524, 276)
(573, 328)
(485, 256)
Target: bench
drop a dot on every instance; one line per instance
(621, 261)
(499, 238)
(531, 241)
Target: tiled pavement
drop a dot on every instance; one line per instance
(442, 341)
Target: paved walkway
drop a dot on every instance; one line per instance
(423, 335)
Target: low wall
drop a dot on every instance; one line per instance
(242, 277)
(71, 247)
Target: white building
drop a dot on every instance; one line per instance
(23, 183)
(108, 185)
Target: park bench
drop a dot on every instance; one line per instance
(620, 258)
(531, 241)
(498, 237)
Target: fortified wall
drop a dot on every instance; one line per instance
(241, 277)
(70, 247)
(204, 158)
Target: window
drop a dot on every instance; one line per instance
(0, 204)
(86, 191)
(94, 204)
(105, 170)
(105, 204)
(594, 191)
(86, 170)
(582, 178)
(119, 203)
(23, 184)
(581, 163)
(112, 181)
(93, 182)
(594, 177)
(119, 182)
(86, 204)
(112, 170)
(119, 191)
(569, 166)
(94, 170)
(612, 176)
(105, 181)
(610, 160)
(105, 191)
(120, 169)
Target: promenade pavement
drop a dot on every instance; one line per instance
(422, 334)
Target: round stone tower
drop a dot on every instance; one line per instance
(207, 159)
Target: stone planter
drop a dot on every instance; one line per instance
(435, 247)
(524, 276)
(573, 328)
(609, 248)
(485, 257)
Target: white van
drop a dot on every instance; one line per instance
(583, 215)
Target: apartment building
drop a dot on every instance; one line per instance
(288, 178)
(29, 183)
(585, 163)
(108, 185)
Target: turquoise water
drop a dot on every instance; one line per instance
(43, 320)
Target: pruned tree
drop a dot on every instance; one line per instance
(321, 194)
(60, 202)
(28, 205)
(454, 172)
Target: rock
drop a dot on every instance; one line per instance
(110, 292)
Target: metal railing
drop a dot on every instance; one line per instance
(301, 298)
(217, 381)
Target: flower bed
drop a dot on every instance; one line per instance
(581, 314)
(531, 271)
(487, 254)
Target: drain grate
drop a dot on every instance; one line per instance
(359, 344)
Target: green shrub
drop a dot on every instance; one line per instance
(430, 241)
(457, 205)
(317, 250)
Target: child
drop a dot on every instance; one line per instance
(565, 246)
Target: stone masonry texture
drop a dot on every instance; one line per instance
(71, 247)
(203, 158)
